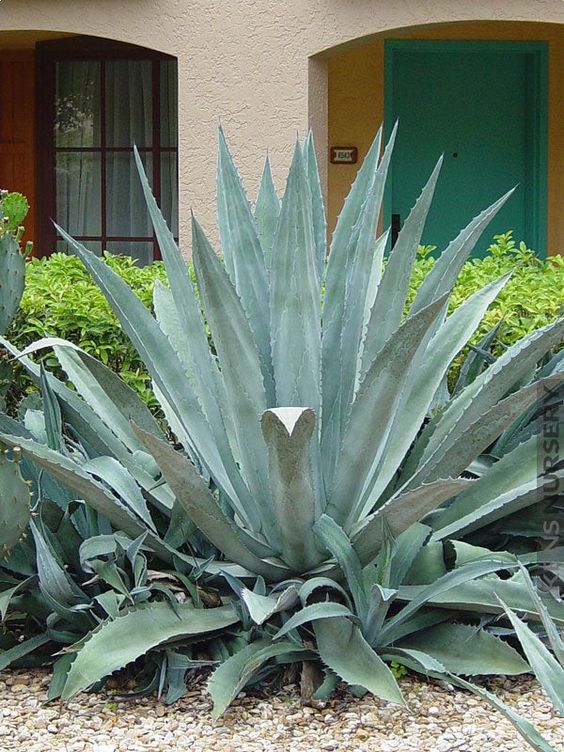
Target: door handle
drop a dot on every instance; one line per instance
(396, 227)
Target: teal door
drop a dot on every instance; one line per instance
(480, 104)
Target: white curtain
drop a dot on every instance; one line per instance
(129, 121)
(77, 125)
(129, 107)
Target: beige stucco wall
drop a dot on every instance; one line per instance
(248, 63)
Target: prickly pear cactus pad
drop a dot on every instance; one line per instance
(15, 498)
(12, 279)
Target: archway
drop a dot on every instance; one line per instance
(360, 94)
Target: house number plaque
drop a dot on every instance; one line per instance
(343, 154)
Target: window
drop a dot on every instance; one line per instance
(97, 99)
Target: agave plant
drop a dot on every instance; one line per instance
(316, 446)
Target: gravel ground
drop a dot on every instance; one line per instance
(440, 720)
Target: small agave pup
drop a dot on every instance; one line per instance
(322, 455)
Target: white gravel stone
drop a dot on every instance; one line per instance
(439, 719)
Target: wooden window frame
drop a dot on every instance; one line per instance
(82, 48)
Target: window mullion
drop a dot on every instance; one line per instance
(156, 142)
(103, 186)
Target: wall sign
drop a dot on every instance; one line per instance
(343, 154)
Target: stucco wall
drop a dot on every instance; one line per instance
(248, 63)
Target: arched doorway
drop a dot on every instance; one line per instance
(490, 93)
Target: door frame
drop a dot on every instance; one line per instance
(24, 148)
(537, 120)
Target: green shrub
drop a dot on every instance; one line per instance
(532, 298)
(61, 300)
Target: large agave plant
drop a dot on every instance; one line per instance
(321, 453)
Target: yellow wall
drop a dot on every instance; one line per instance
(356, 104)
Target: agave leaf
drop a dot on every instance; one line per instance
(240, 369)
(387, 311)
(76, 412)
(498, 507)
(442, 276)
(379, 601)
(317, 208)
(325, 584)
(402, 511)
(526, 424)
(492, 385)
(339, 546)
(7, 595)
(120, 481)
(513, 470)
(267, 210)
(57, 586)
(13, 427)
(188, 337)
(327, 686)
(336, 276)
(193, 347)
(457, 553)
(426, 664)
(233, 674)
(526, 729)
(364, 273)
(287, 433)
(52, 414)
(482, 595)
(362, 202)
(59, 675)
(160, 360)
(110, 399)
(216, 411)
(428, 566)
(179, 431)
(324, 610)
(554, 554)
(342, 647)
(201, 506)
(106, 393)
(554, 637)
(34, 423)
(117, 642)
(547, 669)
(438, 592)
(467, 650)
(244, 258)
(96, 546)
(349, 216)
(295, 296)
(372, 287)
(463, 445)
(405, 550)
(7, 657)
(72, 475)
(262, 607)
(426, 373)
(423, 619)
(169, 320)
(375, 405)
(476, 359)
